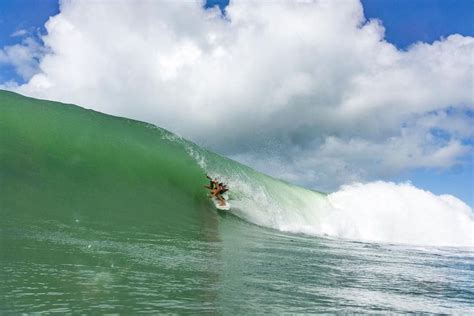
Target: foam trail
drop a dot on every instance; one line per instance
(398, 213)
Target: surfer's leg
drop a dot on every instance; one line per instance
(221, 199)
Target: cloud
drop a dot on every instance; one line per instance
(23, 57)
(19, 33)
(306, 91)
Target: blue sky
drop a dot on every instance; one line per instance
(28, 15)
(406, 22)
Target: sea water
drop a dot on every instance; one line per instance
(229, 267)
(107, 215)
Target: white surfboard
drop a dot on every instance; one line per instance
(219, 206)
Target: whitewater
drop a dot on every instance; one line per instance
(379, 211)
(102, 214)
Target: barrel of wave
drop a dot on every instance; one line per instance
(264, 200)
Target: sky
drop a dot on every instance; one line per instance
(320, 94)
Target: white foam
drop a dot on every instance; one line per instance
(398, 213)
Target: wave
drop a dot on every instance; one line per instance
(63, 162)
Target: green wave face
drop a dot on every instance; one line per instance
(60, 161)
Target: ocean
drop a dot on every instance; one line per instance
(101, 214)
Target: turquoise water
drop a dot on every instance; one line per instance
(108, 215)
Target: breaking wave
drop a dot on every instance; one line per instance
(63, 162)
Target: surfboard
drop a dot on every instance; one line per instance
(218, 205)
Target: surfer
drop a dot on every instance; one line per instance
(217, 188)
(217, 192)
